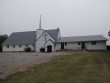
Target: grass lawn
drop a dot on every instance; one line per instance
(80, 67)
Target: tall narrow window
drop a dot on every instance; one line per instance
(93, 42)
(7, 46)
(65, 44)
(78, 43)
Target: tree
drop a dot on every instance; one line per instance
(109, 33)
(2, 39)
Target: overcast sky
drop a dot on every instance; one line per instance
(73, 17)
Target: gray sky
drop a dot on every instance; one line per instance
(73, 17)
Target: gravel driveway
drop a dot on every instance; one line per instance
(18, 61)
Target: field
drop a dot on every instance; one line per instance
(79, 67)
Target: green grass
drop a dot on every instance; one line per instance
(80, 67)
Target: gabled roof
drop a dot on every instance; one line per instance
(82, 38)
(27, 37)
(21, 38)
(48, 41)
(53, 33)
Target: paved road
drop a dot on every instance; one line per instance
(19, 61)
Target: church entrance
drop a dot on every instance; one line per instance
(49, 48)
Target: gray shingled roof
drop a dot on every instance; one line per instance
(27, 37)
(21, 38)
(53, 33)
(82, 38)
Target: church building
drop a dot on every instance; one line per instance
(51, 40)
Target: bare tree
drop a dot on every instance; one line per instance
(2, 39)
(109, 33)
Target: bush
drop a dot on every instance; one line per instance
(42, 50)
(27, 49)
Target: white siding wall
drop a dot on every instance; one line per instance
(101, 45)
(71, 45)
(17, 48)
(41, 41)
(57, 46)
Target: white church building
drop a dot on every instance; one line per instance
(51, 40)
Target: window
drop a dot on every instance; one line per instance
(65, 44)
(20, 45)
(13, 46)
(7, 46)
(93, 42)
(78, 43)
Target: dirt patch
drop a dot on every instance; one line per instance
(11, 63)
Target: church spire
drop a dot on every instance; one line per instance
(40, 23)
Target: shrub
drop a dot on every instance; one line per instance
(27, 49)
(42, 50)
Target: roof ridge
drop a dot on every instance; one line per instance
(23, 31)
(51, 29)
(33, 31)
(83, 36)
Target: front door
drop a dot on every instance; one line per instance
(83, 45)
(49, 48)
(62, 45)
